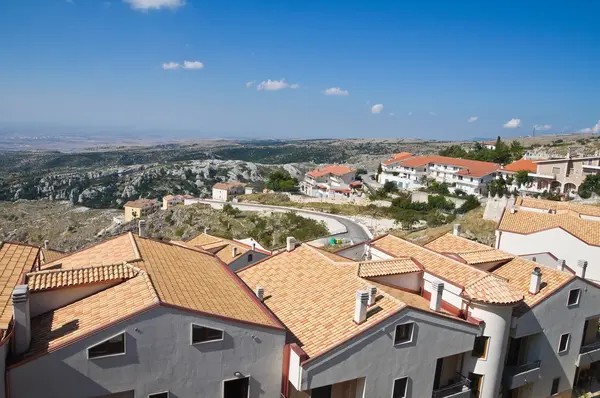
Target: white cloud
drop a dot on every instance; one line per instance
(250, 83)
(274, 85)
(512, 124)
(145, 5)
(377, 108)
(409, 113)
(336, 91)
(192, 65)
(541, 127)
(592, 130)
(472, 119)
(170, 65)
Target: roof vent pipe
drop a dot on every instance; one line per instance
(290, 243)
(456, 230)
(561, 265)
(207, 230)
(437, 289)
(142, 228)
(372, 295)
(260, 293)
(360, 307)
(536, 281)
(581, 268)
(46, 243)
(234, 251)
(22, 318)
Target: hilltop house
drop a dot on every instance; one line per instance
(140, 208)
(225, 191)
(174, 200)
(329, 180)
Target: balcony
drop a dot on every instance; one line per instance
(460, 388)
(517, 376)
(588, 354)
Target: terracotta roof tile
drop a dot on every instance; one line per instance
(223, 248)
(518, 273)
(473, 168)
(397, 157)
(332, 256)
(50, 255)
(543, 204)
(460, 274)
(528, 222)
(51, 279)
(394, 266)
(228, 185)
(522, 164)
(141, 203)
(331, 169)
(471, 252)
(15, 260)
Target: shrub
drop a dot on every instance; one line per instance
(471, 203)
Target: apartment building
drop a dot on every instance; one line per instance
(225, 191)
(235, 254)
(570, 232)
(140, 208)
(362, 329)
(134, 317)
(545, 357)
(410, 172)
(329, 180)
(174, 200)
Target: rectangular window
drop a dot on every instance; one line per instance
(555, 170)
(236, 388)
(321, 392)
(159, 395)
(113, 346)
(476, 383)
(400, 388)
(574, 297)
(249, 257)
(480, 347)
(563, 344)
(555, 385)
(203, 334)
(403, 333)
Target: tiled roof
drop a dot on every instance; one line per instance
(394, 266)
(473, 168)
(543, 204)
(331, 169)
(518, 273)
(228, 185)
(182, 276)
(222, 248)
(332, 256)
(471, 252)
(315, 297)
(519, 165)
(53, 329)
(453, 271)
(50, 255)
(141, 203)
(528, 222)
(51, 279)
(15, 260)
(398, 157)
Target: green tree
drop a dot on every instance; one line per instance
(522, 178)
(590, 185)
(407, 218)
(516, 150)
(390, 187)
(471, 203)
(281, 181)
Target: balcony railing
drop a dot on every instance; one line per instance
(462, 384)
(515, 370)
(590, 347)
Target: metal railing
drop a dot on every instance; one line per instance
(515, 370)
(589, 347)
(451, 389)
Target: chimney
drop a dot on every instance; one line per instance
(456, 230)
(22, 318)
(360, 308)
(233, 251)
(207, 230)
(142, 228)
(254, 246)
(372, 295)
(290, 243)
(46, 242)
(561, 265)
(513, 210)
(581, 268)
(260, 293)
(435, 303)
(536, 281)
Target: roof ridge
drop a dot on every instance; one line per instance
(65, 270)
(88, 247)
(317, 250)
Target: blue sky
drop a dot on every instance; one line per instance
(433, 65)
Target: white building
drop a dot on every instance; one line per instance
(330, 180)
(224, 191)
(568, 231)
(174, 200)
(406, 172)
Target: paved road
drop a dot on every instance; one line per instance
(354, 231)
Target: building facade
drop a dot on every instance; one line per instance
(225, 191)
(140, 208)
(330, 180)
(174, 200)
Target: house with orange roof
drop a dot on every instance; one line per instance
(225, 191)
(536, 364)
(140, 208)
(136, 317)
(362, 329)
(330, 180)
(470, 176)
(174, 200)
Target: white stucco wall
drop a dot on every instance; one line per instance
(375, 357)
(558, 242)
(219, 194)
(410, 281)
(451, 293)
(159, 358)
(44, 301)
(243, 260)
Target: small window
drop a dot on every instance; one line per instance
(236, 388)
(250, 257)
(555, 385)
(574, 297)
(400, 388)
(555, 170)
(563, 345)
(113, 346)
(476, 383)
(202, 334)
(403, 333)
(480, 347)
(321, 392)
(159, 395)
